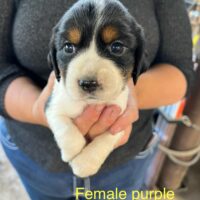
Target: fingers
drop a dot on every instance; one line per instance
(89, 116)
(51, 80)
(125, 138)
(106, 119)
(39, 105)
(128, 117)
(97, 119)
(110, 116)
(46, 92)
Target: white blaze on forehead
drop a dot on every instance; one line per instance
(99, 3)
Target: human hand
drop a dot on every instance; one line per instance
(38, 109)
(97, 119)
(130, 115)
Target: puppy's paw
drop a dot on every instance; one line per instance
(85, 166)
(71, 150)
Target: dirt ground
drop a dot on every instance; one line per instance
(10, 185)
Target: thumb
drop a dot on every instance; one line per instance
(46, 92)
(50, 82)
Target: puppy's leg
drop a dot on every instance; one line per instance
(68, 137)
(89, 161)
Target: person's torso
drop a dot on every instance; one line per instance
(32, 27)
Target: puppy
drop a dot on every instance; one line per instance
(95, 48)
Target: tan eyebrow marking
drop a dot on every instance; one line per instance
(109, 34)
(74, 35)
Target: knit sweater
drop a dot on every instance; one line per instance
(25, 30)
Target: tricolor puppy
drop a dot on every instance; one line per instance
(95, 48)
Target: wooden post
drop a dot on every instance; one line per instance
(185, 138)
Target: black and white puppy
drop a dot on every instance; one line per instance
(95, 48)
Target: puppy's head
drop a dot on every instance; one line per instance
(95, 48)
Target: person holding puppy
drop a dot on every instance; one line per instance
(26, 83)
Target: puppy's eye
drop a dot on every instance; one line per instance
(117, 48)
(69, 48)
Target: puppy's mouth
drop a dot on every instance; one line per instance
(91, 97)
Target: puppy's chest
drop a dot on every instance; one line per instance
(62, 104)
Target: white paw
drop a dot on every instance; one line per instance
(85, 167)
(70, 149)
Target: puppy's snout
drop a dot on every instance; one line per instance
(88, 85)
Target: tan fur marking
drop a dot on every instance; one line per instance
(74, 35)
(109, 34)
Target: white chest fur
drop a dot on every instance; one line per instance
(64, 104)
(85, 159)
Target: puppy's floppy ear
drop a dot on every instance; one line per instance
(140, 64)
(51, 58)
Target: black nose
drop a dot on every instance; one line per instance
(88, 85)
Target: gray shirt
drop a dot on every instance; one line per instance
(25, 30)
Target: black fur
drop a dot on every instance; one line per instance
(84, 16)
(52, 55)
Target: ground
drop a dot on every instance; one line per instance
(10, 185)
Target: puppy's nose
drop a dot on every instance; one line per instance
(88, 85)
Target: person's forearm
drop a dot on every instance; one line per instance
(161, 85)
(164, 84)
(20, 98)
